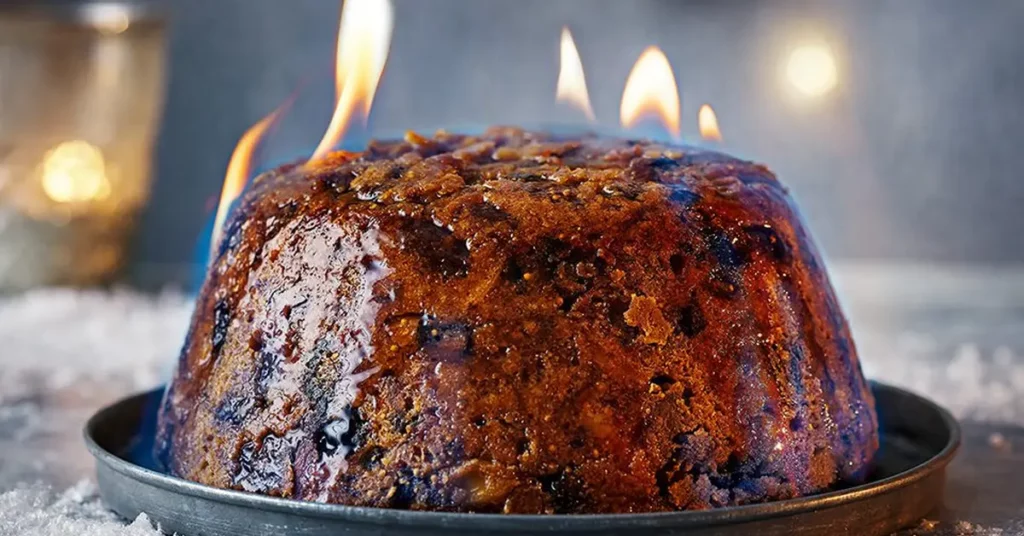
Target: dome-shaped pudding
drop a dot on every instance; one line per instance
(518, 323)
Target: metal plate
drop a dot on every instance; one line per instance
(918, 440)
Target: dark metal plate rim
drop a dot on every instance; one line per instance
(394, 517)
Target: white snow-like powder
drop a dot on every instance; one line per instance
(37, 511)
(62, 336)
(64, 353)
(970, 384)
(952, 333)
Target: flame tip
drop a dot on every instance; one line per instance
(364, 40)
(572, 83)
(240, 167)
(651, 90)
(707, 123)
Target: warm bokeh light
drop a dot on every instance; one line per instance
(811, 70)
(707, 123)
(572, 84)
(651, 91)
(75, 172)
(364, 38)
(239, 169)
(108, 18)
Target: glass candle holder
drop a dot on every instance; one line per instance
(81, 90)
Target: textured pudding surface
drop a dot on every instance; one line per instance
(518, 323)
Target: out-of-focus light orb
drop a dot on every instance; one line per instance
(811, 70)
(108, 18)
(75, 172)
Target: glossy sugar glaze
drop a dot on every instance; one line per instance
(519, 323)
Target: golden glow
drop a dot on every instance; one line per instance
(75, 172)
(239, 168)
(707, 122)
(364, 37)
(651, 91)
(107, 18)
(572, 85)
(811, 70)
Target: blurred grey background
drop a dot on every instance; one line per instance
(914, 156)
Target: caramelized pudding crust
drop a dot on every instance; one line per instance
(519, 323)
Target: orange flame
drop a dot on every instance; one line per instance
(651, 90)
(707, 122)
(364, 37)
(239, 168)
(572, 84)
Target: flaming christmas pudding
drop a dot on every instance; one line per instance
(520, 323)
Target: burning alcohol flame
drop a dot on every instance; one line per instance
(364, 37)
(708, 124)
(572, 85)
(651, 90)
(239, 168)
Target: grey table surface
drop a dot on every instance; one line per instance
(952, 333)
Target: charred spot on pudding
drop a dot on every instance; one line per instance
(565, 490)
(440, 249)
(513, 272)
(682, 195)
(396, 171)
(335, 182)
(489, 212)
(569, 300)
(412, 487)
(691, 319)
(233, 409)
(662, 381)
(569, 268)
(372, 457)
(663, 163)
(266, 370)
(631, 190)
(526, 176)
(677, 262)
(445, 340)
(766, 238)
(647, 169)
(614, 308)
(724, 249)
(403, 423)
(640, 171)
(728, 261)
(455, 450)
(231, 236)
(221, 321)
